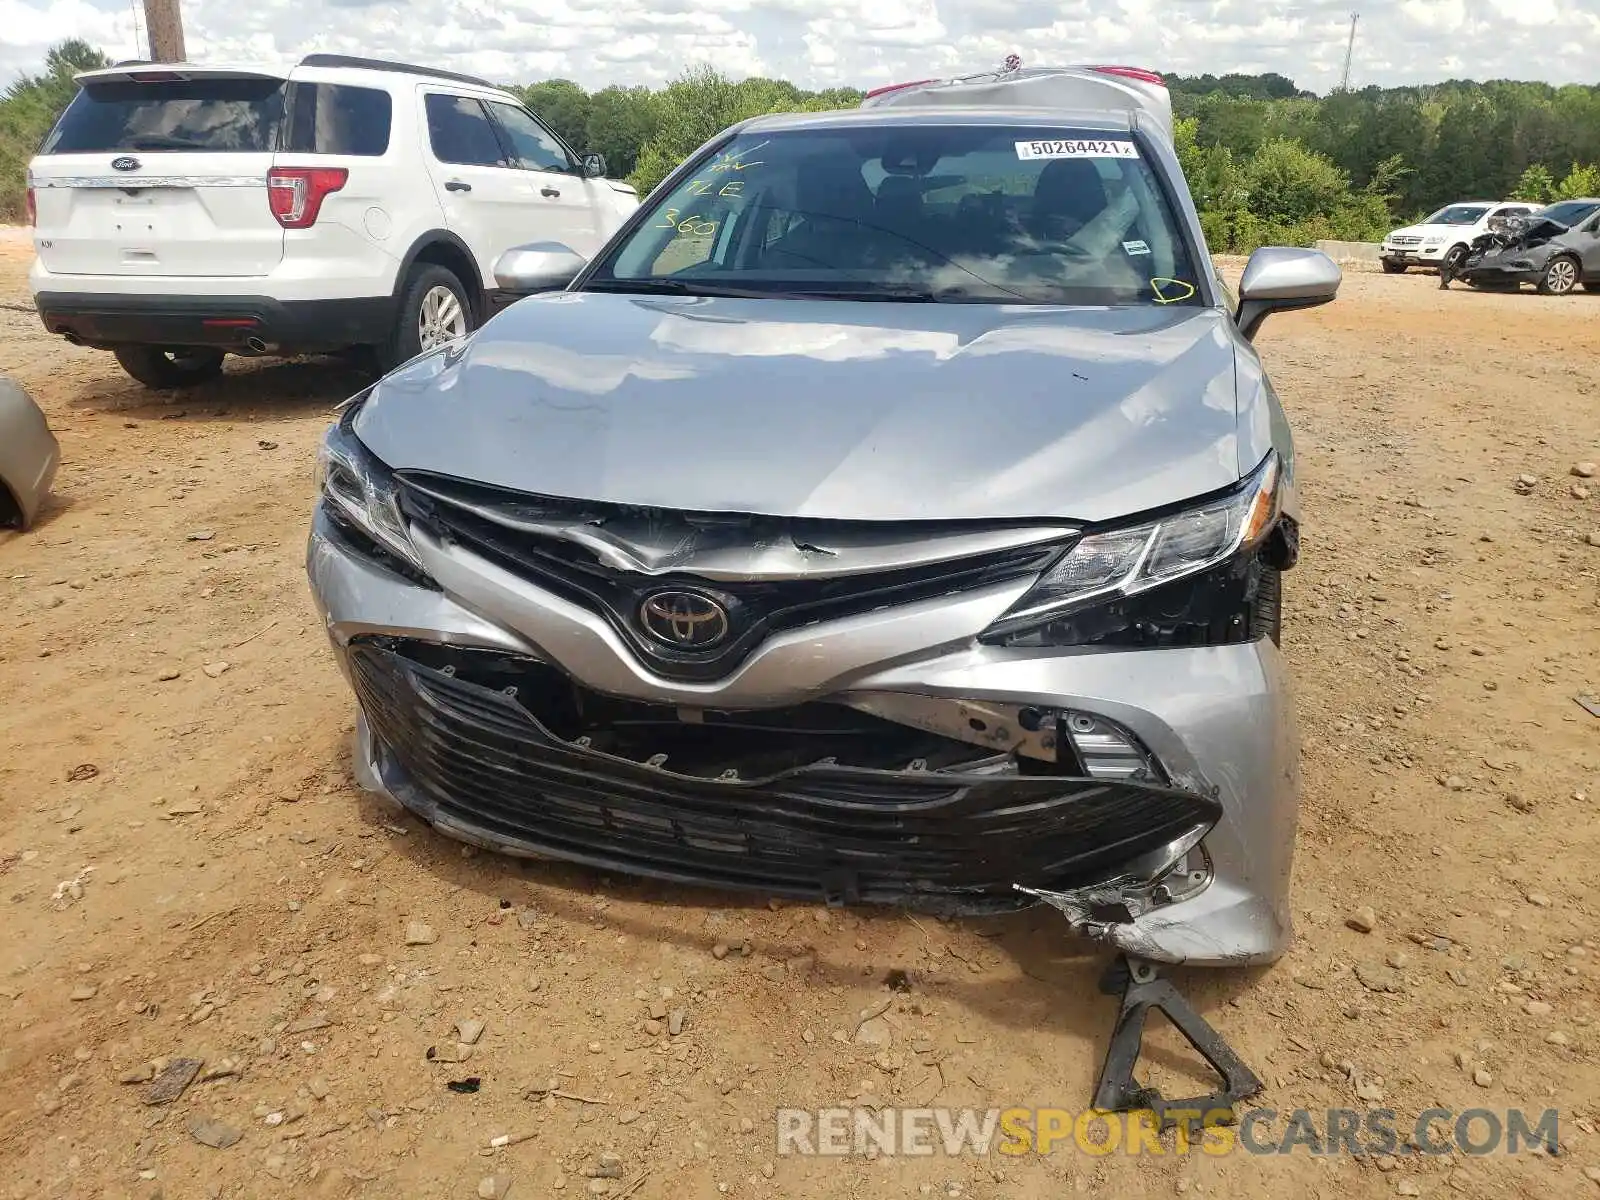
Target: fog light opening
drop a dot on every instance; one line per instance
(1107, 750)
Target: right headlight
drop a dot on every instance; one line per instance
(1192, 575)
(360, 490)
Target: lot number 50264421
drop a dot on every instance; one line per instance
(1078, 148)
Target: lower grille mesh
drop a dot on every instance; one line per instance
(469, 756)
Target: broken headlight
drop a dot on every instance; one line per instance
(360, 492)
(1202, 575)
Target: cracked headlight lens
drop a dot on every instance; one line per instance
(1124, 562)
(360, 490)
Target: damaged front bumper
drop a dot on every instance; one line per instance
(876, 761)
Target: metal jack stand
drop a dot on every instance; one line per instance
(1118, 1091)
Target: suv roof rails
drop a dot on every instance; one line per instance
(381, 64)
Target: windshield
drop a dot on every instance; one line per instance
(1457, 214)
(189, 115)
(988, 214)
(1569, 212)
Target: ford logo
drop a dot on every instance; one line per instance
(125, 163)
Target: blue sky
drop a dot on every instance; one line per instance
(819, 43)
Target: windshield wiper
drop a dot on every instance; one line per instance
(681, 287)
(156, 141)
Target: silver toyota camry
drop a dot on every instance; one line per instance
(893, 512)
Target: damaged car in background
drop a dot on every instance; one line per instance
(1555, 249)
(29, 455)
(894, 511)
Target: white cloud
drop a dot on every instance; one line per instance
(820, 43)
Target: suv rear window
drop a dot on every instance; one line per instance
(330, 118)
(218, 115)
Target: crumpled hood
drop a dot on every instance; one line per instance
(827, 409)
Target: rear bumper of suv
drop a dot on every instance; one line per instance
(254, 324)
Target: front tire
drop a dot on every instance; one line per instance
(1393, 268)
(1560, 276)
(434, 310)
(1453, 259)
(162, 369)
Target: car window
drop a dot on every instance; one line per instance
(975, 213)
(216, 115)
(1569, 212)
(534, 148)
(459, 132)
(1457, 214)
(329, 118)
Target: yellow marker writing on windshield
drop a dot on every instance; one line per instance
(1156, 285)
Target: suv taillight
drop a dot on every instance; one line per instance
(296, 193)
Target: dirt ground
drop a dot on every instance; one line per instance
(188, 870)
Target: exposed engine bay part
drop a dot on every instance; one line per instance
(731, 547)
(1076, 743)
(1141, 989)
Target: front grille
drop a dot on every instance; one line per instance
(1405, 240)
(471, 755)
(755, 609)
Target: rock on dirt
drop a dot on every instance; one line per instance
(420, 934)
(1363, 920)
(216, 1134)
(1377, 978)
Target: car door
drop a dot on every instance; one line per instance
(487, 202)
(1585, 240)
(569, 204)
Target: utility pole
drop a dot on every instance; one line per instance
(1344, 82)
(163, 25)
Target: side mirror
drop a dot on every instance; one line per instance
(594, 166)
(1282, 278)
(537, 267)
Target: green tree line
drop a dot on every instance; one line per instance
(1267, 161)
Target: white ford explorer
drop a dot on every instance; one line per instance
(183, 212)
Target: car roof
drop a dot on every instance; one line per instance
(133, 70)
(1110, 121)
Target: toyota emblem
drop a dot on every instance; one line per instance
(126, 163)
(684, 620)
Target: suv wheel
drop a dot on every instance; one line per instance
(158, 368)
(433, 310)
(1454, 257)
(1560, 276)
(1390, 267)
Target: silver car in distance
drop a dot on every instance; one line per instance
(893, 512)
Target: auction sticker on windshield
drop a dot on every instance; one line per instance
(1078, 148)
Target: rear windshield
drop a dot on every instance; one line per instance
(233, 115)
(959, 213)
